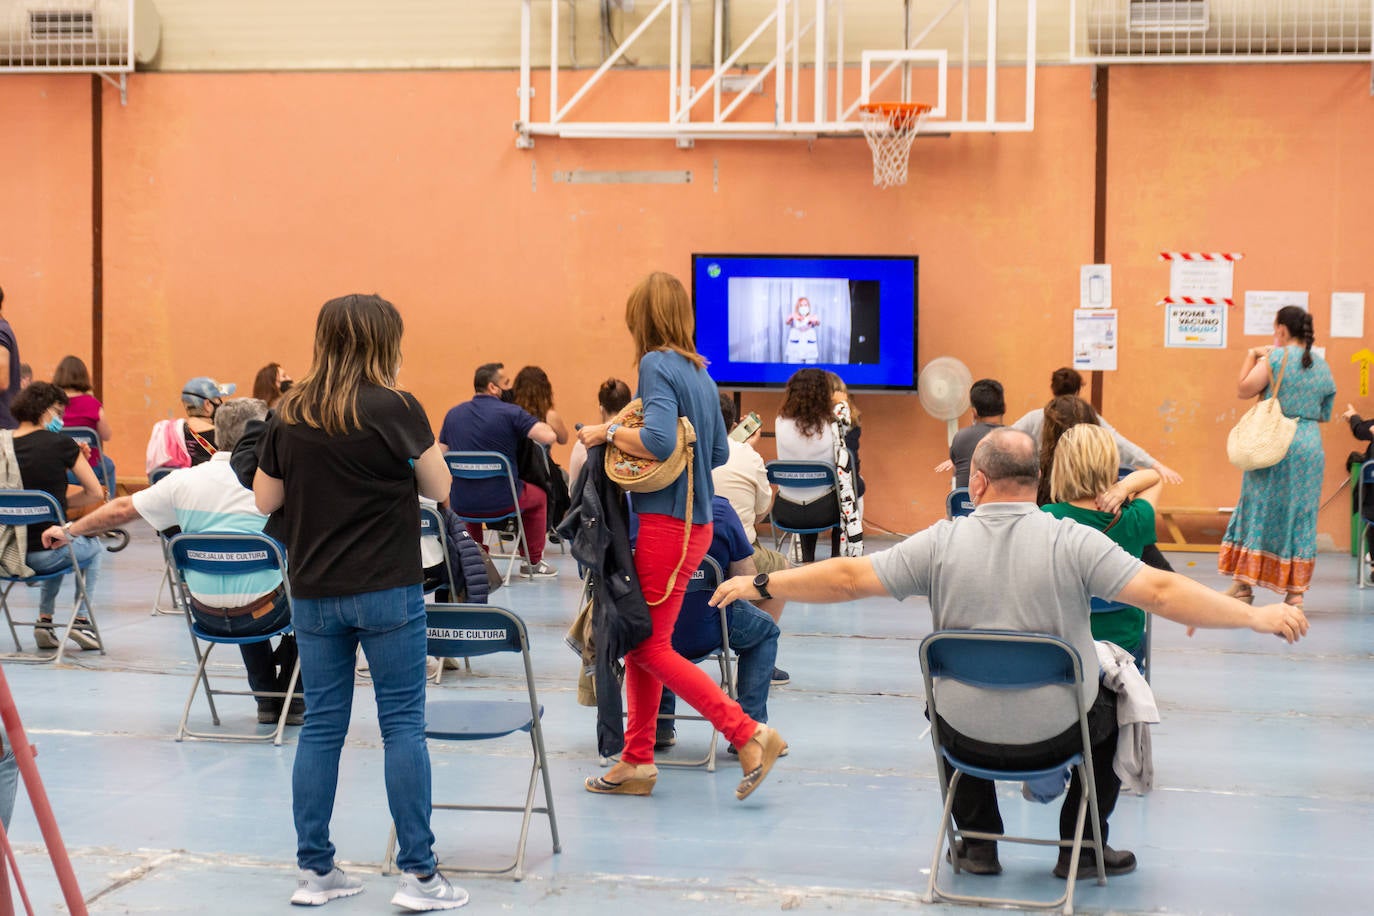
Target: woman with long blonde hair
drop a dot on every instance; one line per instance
(345, 458)
(672, 383)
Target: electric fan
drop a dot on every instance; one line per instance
(943, 388)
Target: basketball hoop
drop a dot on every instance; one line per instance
(889, 128)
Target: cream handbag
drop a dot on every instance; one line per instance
(1263, 435)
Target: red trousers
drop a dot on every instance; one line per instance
(653, 664)
(534, 510)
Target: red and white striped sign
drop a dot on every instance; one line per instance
(1200, 256)
(1194, 300)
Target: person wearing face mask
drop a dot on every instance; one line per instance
(803, 345)
(201, 396)
(271, 382)
(493, 422)
(44, 457)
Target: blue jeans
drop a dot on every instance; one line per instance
(390, 626)
(88, 554)
(9, 785)
(754, 637)
(269, 670)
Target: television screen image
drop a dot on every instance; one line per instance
(761, 317)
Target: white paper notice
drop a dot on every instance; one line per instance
(1199, 279)
(1347, 314)
(1262, 305)
(1195, 325)
(1094, 339)
(1095, 286)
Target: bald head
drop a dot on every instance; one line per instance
(1008, 465)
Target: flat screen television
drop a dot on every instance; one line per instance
(760, 318)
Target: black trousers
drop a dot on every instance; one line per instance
(816, 514)
(975, 800)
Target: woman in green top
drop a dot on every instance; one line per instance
(1083, 487)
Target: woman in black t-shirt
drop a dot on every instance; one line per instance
(45, 456)
(344, 459)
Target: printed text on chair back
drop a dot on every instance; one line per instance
(28, 507)
(470, 630)
(959, 503)
(225, 554)
(707, 577)
(477, 465)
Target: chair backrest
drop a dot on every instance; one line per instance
(1103, 606)
(958, 503)
(707, 577)
(29, 507)
(83, 434)
(801, 474)
(431, 524)
(157, 474)
(1123, 472)
(482, 466)
(1000, 659)
(1367, 472)
(469, 630)
(235, 554)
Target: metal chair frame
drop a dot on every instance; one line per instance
(1102, 606)
(1366, 574)
(463, 630)
(432, 525)
(1007, 660)
(958, 504)
(166, 583)
(801, 474)
(227, 554)
(483, 466)
(118, 537)
(38, 507)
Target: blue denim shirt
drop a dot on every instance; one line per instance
(671, 386)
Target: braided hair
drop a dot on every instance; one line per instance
(1298, 322)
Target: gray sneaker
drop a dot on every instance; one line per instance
(314, 889)
(540, 570)
(434, 894)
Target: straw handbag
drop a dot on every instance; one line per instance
(649, 475)
(1263, 435)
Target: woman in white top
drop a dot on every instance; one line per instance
(613, 395)
(806, 432)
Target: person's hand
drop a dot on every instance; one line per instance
(944, 467)
(1112, 498)
(1168, 473)
(733, 590)
(1261, 352)
(758, 434)
(592, 435)
(55, 536)
(1348, 412)
(1285, 621)
(85, 450)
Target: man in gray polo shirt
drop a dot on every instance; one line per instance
(1011, 566)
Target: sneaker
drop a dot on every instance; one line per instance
(84, 636)
(540, 570)
(313, 889)
(780, 678)
(1118, 862)
(977, 858)
(665, 736)
(43, 636)
(434, 893)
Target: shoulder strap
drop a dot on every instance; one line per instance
(1283, 364)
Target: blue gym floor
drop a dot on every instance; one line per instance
(1262, 804)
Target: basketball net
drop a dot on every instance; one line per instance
(889, 128)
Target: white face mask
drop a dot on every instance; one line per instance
(804, 310)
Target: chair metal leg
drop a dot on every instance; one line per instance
(940, 838)
(389, 857)
(286, 701)
(537, 737)
(195, 685)
(9, 619)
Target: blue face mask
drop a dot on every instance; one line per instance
(54, 425)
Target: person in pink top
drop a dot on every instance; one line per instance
(84, 409)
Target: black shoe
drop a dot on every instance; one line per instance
(977, 859)
(780, 678)
(665, 737)
(295, 713)
(269, 711)
(1118, 862)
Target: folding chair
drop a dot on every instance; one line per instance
(1005, 660)
(958, 503)
(1123, 472)
(1366, 478)
(461, 630)
(707, 579)
(486, 466)
(37, 507)
(228, 555)
(432, 526)
(1102, 606)
(801, 474)
(115, 539)
(166, 583)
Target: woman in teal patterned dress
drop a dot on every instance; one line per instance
(1271, 540)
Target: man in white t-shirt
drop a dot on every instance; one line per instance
(743, 480)
(208, 499)
(1011, 566)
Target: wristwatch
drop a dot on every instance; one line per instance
(610, 433)
(761, 583)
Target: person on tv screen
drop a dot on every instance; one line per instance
(803, 344)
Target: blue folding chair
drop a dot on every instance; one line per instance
(116, 539)
(707, 578)
(228, 555)
(958, 503)
(1123, 472)
(37, 507)
(432, 526)
(469, 466)
(1366, 479)
(801, 474)
(166, 584)
(1142, 659)
(1005, 660)
(460, 631)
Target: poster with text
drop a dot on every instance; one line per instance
(1095, 340)
(1195, 326)
(1201, 279)
(1261, 305)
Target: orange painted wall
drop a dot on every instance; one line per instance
(236, 203)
